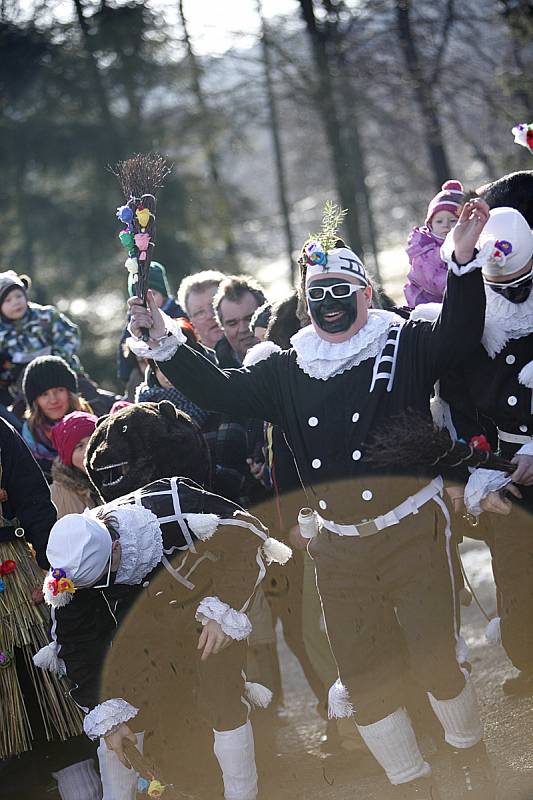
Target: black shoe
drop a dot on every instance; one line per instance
(421, 789)
(521, 686)
(472, 773)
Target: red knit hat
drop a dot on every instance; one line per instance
(69, 431)
(451, 198)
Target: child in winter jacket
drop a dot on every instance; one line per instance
(71, 490)
(28, 330)
(426, 280)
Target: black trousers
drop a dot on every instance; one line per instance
(388, 605)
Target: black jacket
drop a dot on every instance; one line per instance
(28, 503)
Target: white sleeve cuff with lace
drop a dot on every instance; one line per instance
(481, 483)
(167, 346)
(106, 716)
(234, 623)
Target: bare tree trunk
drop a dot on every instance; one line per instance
(328, 112)
(98, 84)
(422, 88)
(276, 142)
(222, 203)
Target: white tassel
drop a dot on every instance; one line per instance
(202, 525)
(339, 704)
(47, 658)
(258, 695)
(493, 632)
(276, 551)
(525, 376)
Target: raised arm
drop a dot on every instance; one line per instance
(247, 392)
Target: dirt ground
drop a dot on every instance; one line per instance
(290, 759)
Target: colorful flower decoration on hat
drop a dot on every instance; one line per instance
(58, 589)
(315, 254)
(505, 246)
(480, 442)
(6, 659)
(523, 135)
(8, 567)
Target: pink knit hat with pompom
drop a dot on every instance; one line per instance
(450, 198)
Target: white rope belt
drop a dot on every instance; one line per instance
(514, 438)
(409, 506)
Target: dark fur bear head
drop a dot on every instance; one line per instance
(514, 190)
(142, 443)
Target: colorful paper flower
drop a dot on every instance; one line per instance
(132, 265)
(155, 789)
(480, 442)
(126, 239)
(58, 573)
(143, 216)
(2, 585)
(65, 585)
(7, 567)
(124, 213)
(314, 254)
(5, 659)
(523, 135)
(142, 785)
(504, 246)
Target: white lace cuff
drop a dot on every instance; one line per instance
(107, 715)
(526, 450)
(167, 346)
(234, 623)
(480, 484)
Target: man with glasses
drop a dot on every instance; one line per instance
(382, 569)
(195, 294)
(492, 394)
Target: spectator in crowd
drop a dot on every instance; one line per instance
(50, 387)
(260, 321)
(426, 279)
(71, 490)
(237, 299)
(195, 295)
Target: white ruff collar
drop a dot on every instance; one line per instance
(323, 360)
(505, 321)
(141, 542)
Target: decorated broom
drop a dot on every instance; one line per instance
(140, 177)
(411, 439)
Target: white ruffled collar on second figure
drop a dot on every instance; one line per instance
(141, 542)
(322, 360)
(505, 321)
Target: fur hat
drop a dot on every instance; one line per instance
(47, 372)
(157, 280)
(69, 431)
(10, 280)
(507, 241)
(450, 198)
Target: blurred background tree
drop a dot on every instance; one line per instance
(368, 102)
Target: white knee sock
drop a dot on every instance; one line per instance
(118, 782)
(235, 754)
(393, 744)
(459, 717)
(80, 781)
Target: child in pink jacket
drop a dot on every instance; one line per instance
(426, 280)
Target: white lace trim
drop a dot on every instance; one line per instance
(102, 718)
(479, 261)
(234, 623)
(141, 542)
(481, 483)
(322, 360)
(505, 321)
(259, 352)
(167, 346)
